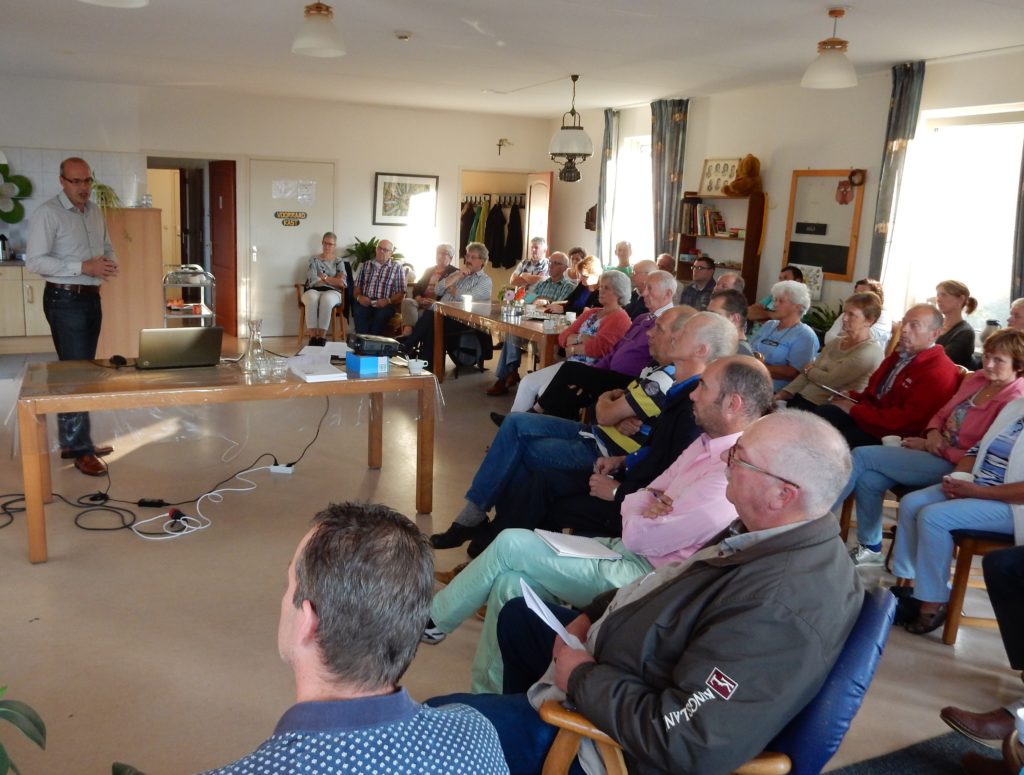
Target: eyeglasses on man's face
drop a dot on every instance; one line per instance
(79, 181)
(732, 459)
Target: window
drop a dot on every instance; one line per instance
(632, 209)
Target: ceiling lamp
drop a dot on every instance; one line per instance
(318, 37)
(831, 70)
(118, 3)
(570, 143)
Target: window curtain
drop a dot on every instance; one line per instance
(904, 107)
(668, 146)
(1017, 281)
(606, 187)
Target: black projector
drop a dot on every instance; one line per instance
(368, 344)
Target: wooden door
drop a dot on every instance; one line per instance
(538, 208)
(223, 246)
(192, 216)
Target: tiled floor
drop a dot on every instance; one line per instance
(163, 653)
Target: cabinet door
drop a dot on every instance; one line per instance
(12, 312)
(35, 320)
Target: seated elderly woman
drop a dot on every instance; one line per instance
(992, 501)
(924, 460)
(325, 281)
(881, 330)
(845, 363)
(424, 292)
(1016, 319)
(587, 340)
(786, 344)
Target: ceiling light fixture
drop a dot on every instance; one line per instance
(570, 143)
(117, 3)
(831, 70)
(318, 37)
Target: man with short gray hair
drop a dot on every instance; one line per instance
(359, 590)
(534, 268)
(730, 281)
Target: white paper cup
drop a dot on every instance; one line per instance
(416, 366)
(892, 441)
(549, 326)
(570, 317)
(467, 301)
(963, 476)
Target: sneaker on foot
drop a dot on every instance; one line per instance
(432, 635)
(861, 555)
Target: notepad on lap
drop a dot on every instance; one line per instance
(580, 547)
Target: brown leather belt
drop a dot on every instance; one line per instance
(81, 290)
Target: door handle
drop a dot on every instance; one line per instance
(30, 294)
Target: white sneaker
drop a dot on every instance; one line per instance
(433, 635)
(861, 555)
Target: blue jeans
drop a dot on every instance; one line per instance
(924, 547)
(372, 320)
(875, 470)
(75, 322)
(511, 356)
(529, 442)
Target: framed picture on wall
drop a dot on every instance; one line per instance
(401, 200)
(716, 174)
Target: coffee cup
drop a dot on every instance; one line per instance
(892, 441)
(963, 476)
(570, 317)
(416, 366)
(467, 301)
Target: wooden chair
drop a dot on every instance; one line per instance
(337, 316)
(804, 745)
(969, 544)
(894, 340)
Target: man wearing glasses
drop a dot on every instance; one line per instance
(698, 293)
(379, 286)
(69, 247)
(697, 666)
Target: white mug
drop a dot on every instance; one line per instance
(467, 301)
(416, 366)
(892, 441)
(964, 476)
(570, 317)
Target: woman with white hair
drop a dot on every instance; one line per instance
(786, 344)
(1016, 319)
(423, 292)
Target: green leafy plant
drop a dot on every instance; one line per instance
(820, 317)
(105, 196)
(27, 721)
(365, 251)
(12, 188)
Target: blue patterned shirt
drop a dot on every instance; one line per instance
(380, 281)
(384, 735)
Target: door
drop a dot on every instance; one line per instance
(291, 206)
(538, 207)
(191, 207)
(223, 248)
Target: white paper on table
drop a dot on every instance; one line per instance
(331, 349)
(535, 604)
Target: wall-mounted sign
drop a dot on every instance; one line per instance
(290, 222)
(289, 215)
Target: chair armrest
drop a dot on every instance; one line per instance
(553, 713)
(766, 763)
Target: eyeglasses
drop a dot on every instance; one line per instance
(80, 181)
(383, 249)
(702, 266)
(731, 459)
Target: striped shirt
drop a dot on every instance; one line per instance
(380, 281)
(646, 396)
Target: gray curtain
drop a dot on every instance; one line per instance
(904, 106)
(606, 188)
(668, 146)
(1017, 281)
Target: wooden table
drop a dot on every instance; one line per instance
(82, 386)
(486, 316)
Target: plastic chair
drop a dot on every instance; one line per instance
(969, 544)
(337, 316)
(805, 744)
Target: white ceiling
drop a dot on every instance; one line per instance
(493, 56)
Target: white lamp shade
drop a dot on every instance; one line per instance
(831, 70)
(318, 37)
(571, 141)
(118, 3)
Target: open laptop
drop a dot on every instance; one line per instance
(175, 348)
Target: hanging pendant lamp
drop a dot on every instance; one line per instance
(832, 69)
(318, 37)
(570, 143)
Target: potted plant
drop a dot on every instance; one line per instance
(27, 721)
(821, 317)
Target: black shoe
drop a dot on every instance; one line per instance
(479, 543)
(497, 419)
(456, 535)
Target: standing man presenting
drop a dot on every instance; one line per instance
(69, 247)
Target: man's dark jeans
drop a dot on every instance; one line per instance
(75, 321)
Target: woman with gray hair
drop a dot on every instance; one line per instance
(325, 282)
(423, 292)
(786, 344)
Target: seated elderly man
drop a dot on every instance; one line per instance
(555, 287)
(577, 385)
(730, 281)
(358, 591)
(471, 280)
(905, 391)
(424, 291)
(698, 665)
(532, 442)
(641, 271)
(665, 522)
(732, 305)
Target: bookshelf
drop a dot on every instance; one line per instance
(702, 230)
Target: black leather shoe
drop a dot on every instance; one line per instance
(456, 535)
(479, 543)
(497, 419)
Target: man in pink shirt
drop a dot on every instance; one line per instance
(683, 509)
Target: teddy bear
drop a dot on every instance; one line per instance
(748, 178)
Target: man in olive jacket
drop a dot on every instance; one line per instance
(696, 667)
